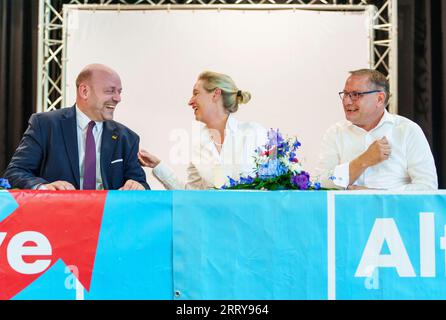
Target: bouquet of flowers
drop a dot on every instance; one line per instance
(4, 184)
(277, 167)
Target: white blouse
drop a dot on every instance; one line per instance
(210, 169)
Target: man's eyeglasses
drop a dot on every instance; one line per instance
(355, 95)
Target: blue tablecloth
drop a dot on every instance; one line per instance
(226, 245)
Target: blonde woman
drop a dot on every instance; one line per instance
(226, 146)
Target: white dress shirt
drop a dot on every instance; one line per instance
(209, 168)
(410, 166)
(82, 125)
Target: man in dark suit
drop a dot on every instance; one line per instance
(80, 147)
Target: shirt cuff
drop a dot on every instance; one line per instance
(341, 175)
(161, 171)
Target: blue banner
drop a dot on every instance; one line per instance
(250, 245)
(390, 246)
(133, 257)
(222, 245)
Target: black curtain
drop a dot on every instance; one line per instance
(18, 71)
(421, 72)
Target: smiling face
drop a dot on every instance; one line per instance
(99, 95)
(367, 110)
(203, 103)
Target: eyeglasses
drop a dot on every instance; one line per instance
(355, 95)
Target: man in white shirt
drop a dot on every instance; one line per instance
(374, 149)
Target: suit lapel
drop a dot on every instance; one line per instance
(109, 141)
(69, 132)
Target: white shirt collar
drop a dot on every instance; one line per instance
(231, 125)
(82, 120)
(386, 118)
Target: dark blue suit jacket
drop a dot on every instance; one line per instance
(48, 152)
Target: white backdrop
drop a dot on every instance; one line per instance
(294, 63)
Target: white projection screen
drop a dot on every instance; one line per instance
(294, 62)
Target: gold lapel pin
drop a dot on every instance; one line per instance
(114, 137)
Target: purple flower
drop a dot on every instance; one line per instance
(301, 180)
(274, 137)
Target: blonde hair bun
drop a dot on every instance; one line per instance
(244, 97)
(232, 97)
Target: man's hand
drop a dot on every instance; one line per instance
(132, 185)
(377, 152)
(147, 159)
(56, 185)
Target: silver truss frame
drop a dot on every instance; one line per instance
(51, 38)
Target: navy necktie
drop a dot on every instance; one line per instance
(90, 159)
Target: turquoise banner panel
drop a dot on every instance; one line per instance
(390, 246)
(250, 245)
(134, 255)
(57, 283)
(7, 204)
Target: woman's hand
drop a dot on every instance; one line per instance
(147, 159)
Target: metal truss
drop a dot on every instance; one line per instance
(50, 54)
